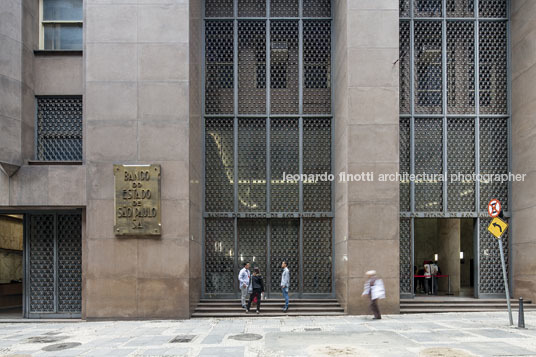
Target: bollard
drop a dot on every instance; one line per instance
(521, 315)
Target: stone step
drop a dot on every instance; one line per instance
(432, 301)
(432, 310)
(263, 314)
(270, 303)
(271, 300)
(270, 307)
(465, 306)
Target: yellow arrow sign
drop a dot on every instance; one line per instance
(497, 227)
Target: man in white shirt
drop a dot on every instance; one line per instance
(285, 283)
(375, 290)
(434, 270)
(244, 279)
(428, 277)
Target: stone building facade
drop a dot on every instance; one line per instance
(139, 80)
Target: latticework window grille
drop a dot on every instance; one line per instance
(284, 246)
(460, 68)
(284, 157)
(252, 165)
(267, 114)
(219, 256)
(460, 8)
(454, 109)
(429, 161)
(404, 61)
(404, 164)
(218, 8)
(492, 8)
(317, 255)
(284, 8)
(252, 67)
(317, 8)
(317, 67)
(219, 165)
(490, 269)
(55, 263)
(403, 6)
(251, 8)
(461, 160)
(219, 67)
(405, 256)
(493, 160)
(252, 244)
(427, 8)
(284, 69)
(448, 48)
(317, 160)
(428, 68)
(493, 67)
(59, 128)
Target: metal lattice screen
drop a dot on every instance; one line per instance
(267, 105)
(219, 255)
(406, 253)
(317, 255)
(454, 107)
(490, 268)
(54, 253)
(59, 128)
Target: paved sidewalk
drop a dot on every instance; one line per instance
(450, 334)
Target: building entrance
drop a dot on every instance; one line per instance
(41, 265)
(11, 265)
(268, 140)
(449, 244)
(266, 243)
(454, 129)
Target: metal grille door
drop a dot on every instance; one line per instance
(267, 114)
(54, 265)
(454, 118)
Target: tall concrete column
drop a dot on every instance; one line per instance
(366, 137)
(11, 86)
(136, 111)
(449, 253)
(523, 236)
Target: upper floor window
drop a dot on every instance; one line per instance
(59, 128)
(61, 24)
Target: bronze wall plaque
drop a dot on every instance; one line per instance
(137, 200)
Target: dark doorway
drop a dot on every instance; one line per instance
(449, 244)
(11, 265)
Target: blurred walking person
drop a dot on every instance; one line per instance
(375, 289)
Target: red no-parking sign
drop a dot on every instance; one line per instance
(494, 208)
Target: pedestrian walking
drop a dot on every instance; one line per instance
(257, 284)
(285, 283)
(244, 278)
(375, 290)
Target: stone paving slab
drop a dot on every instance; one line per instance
(450, 334)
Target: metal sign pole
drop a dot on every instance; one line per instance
(505, 283)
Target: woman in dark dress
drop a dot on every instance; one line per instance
(257, 284)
